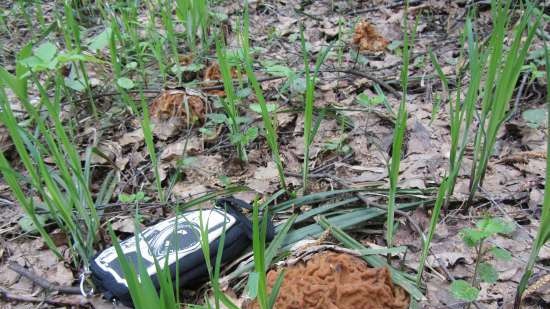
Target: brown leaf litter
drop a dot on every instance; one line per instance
(336, 281)
(367, 38)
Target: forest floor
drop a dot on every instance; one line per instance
(358, 90)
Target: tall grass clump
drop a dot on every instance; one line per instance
(399, 130)
(543, 233)
(309, 129)
(229, 103)
(462, 111)
(73, 42)
(270, 133)
(262, 258)
(63, 186)
(195, 16)
(426, 241)
(502, 70)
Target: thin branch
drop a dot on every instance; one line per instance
(43, 283)
(74, 301)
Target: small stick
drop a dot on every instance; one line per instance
(43, 283)
(375, 79)
(65, 301)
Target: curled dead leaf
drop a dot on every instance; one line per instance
(367, 38)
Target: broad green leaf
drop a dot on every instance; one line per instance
(279, 70)
(126, 198)
(251, 134)
(255, 107)
(101, 40)
(217, 118)
(74, 84)
(394, 45)
(252, 285)
(193, 67)
(487, 273)
(73, 56)
(46, 51)
(473, 236)
(32, 62)
(367, 100)
(534, 117)
(501, 254)
(131, 65)
(298, 85)
(244, 93)
(27, 224)
(495, 226)
(125, 83)
(463, 290)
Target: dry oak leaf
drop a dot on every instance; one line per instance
(367, 38)
(187, 105)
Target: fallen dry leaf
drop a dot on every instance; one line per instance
(125, 225)
(367, 38)
(177, 150)
(132, 137)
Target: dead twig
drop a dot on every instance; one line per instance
(74, 301)
(43, 283)
(371, 77)
(389, 6)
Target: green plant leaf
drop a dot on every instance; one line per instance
(74, 84)
(394, 45)
(131, 65)
(279, 70)
(74, 56)
(367, 100)
(251, 134)
(534, 117)
(298, 85)
(193, 67)
(101, 40)
(495, 226)
(46, 51)
(501, 254)
(472, 237)
(487, 273)
(217, 118)
(125, 83)
(28, 226)
(128, 198)
(463, 290)
(255, 107)
(243, 93)
(252, 285)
